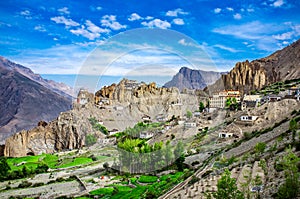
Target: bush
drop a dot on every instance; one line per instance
(90, 139)
(25, 184)
(172, 136)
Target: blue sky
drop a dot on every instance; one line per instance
(57, 37)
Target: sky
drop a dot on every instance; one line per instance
(63, 37)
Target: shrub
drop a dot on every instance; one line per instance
(90, 139)
(25, 184)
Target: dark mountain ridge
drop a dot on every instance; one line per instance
(193, 79)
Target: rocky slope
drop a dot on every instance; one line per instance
(65, 132)
(24, 102)
(60, 88)
(246, 76)
(193, 79)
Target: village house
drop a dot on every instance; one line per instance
(113, 132)
(84, 97)
(107, 141)
(146, 118)
(118, 108)
(197, 114)
(273, 98)
(104, 101)
(225, 135)
(161, 118)
(100, 122)
(131, 84)
(251, 101)
(146, 134)
(248, 118)
(190, 124)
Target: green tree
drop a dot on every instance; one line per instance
(4, 168)
(260, 147)
(90, 139)
(227, 188)
(179, 163)
(293, 127)
(189, 114)
(201, 107)
(290, 189)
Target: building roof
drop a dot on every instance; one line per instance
(251, 97)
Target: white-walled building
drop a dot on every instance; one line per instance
(248, 118)
(146, 134)
(190, 124)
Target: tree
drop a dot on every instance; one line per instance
(260, 147)
(290, 189)
(201, 107)
(293, 127)
(231, 103)
(4, 168)
(227, 188)
(90, 139)
(189, 114)
(106, 166)
(179, 163)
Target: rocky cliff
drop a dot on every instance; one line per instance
(193, 79)
(246, 76)
(24, 102)
(66, 132)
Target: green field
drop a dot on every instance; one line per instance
(154, 188)
(53, 162)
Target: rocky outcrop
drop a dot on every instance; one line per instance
(66, 132)
(246, 76)
(124, 92)
(193, 79)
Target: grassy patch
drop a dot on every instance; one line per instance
(76, 161)
(147, 179)
(102, 191)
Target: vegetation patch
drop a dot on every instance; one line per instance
(147, 179)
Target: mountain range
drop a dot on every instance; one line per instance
(193, 79)
(26, 98)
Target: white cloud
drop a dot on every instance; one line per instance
(111, 22)
(65, 21)
(149, 18)
(95, 29)
(40, 28)
(277, 3)
(98, 8)
(157, 23)
(256, 32)
(283, 36)
(63, 10)
(26, 14)
(217, 10)
(226, 48)
(134, 17)
(230, 9)
(176, 12)
(90, 31)
(237, 16)
(250, 9)
(85, 33)
(178, 21)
